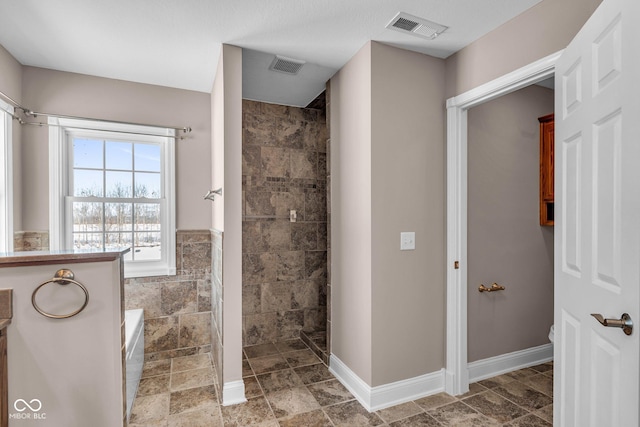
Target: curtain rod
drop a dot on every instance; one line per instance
(28, 112)
(11, 100)
(176, 137)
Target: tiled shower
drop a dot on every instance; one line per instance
(284, 169)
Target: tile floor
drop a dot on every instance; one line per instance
(287, 386)
(317, 342)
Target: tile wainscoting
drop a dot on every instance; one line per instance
(216, 307)
(177, 309)
(27, 241)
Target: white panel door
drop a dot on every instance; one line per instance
(597, 224)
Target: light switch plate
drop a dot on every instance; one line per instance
(407, 241)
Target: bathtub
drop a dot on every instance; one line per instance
(134, 347)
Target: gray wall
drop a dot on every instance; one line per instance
(217, 212)
(10, 75)
(226, 173)
(408, 166)
(173, 306)
(76, 94)
(387, 164)
(370, 297)
(542, 30)
(506, 243)
(11, 85)
(350, 134)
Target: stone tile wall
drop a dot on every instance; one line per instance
(216, 303)
(284, 263)
(328, 142)
(177, 309)
(30, 241)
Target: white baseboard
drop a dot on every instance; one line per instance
(384, 396)
(233, 393)
(360, 389)
(498, 365)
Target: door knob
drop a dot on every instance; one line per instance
(493, 288)
(624, 322)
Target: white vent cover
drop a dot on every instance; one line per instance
(286, 65)
(419, 27)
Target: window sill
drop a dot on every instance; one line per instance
(134, 272)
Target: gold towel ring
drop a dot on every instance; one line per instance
(62, 277)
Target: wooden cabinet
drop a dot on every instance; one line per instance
(546, 169)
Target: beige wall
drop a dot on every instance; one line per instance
(373, 179)
(365, 222)
(506, 243)
(226, 121)
(408, 161)
(217, 146)
(387, 163)
(217, 212)
(10, 75)
(11, 85)
(351, 204)
(80, 95)
(540, 31)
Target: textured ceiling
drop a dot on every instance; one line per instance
(176, 43)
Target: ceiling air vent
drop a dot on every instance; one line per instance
(418, 27)
(286, 65)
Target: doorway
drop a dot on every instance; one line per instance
(457, 373)
(510, 249)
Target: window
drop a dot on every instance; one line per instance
(113, 187)
(6, 178)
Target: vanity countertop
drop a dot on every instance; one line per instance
(21, 259)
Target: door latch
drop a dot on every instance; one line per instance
(624, 322)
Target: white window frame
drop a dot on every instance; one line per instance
(6, 176)
(61, 132)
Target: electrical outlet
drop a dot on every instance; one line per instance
(293, 215)
(407, 241)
